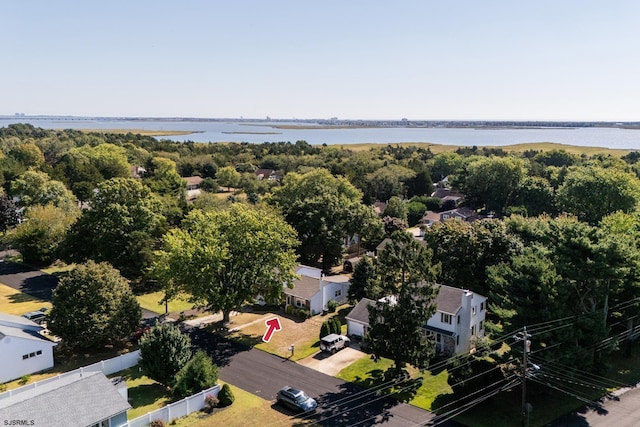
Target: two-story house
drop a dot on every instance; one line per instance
(459, 319)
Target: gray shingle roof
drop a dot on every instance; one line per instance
(78, 400)
(360, 312)
(305, 287)
(18, 322)
(449, 299)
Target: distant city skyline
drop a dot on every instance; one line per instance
(573, 60)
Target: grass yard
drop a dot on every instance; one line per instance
(304, 335)
(152, 301)
(422, 392)
(247, 410)
(145, 395)
(15, 302)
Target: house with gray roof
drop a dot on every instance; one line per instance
(80, 399)
(313, 290)
(458, 321)
(24, 348)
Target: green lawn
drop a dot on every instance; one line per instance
(421, 392)
(17, 303)
(145, 395)
(152, 301)
(247, 410)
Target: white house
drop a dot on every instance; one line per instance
(459, 319)
(23, 348)
(313, 290)
(79, 399)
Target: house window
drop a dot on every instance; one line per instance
(473, 310)
(458, 340)
(288, 299)
(438, 338)
(30, 355)
(481, 325)
(458, 319)
(299, 303)
(473, 330)
(338, 292)
(445, 318)
(482, 306)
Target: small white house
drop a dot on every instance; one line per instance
(313, 290)
(459, 319)
(23, 348)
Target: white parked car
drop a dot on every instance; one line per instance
(334, 342)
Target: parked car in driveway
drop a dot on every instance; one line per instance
(36, 316)
(334, 342)
(296, 399)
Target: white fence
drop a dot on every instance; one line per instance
(108, 366)
(175, 410)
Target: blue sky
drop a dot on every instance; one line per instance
(423, 59)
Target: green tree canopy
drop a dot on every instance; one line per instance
(324, 210)
(228, 177)
(38, 238)
(396, 208)
(37, 188)
(92, 306)
(121, 227)
(493, 181)
(226, 258)
(591, 193)
(164, 351)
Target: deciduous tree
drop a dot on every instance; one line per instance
(121, 227)
(226, 258)
(92, 306)
(324, 210)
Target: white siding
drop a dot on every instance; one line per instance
(355, 328)
(14, 366)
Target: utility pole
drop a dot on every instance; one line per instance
(526, 348)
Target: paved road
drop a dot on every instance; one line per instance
(339, 403)
(37, 283)
(623, 411)
(28, 280)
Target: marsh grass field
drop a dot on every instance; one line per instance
(435, 148)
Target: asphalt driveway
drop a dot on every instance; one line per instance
(339, 403)
(37, 283)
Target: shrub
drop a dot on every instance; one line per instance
(337, 325)
(164, 351)
(225, 396)
(210, 403)
(198, 374)
(24, 379)
(3, 388)
(324, 330)
(156, 423)
(332, 305)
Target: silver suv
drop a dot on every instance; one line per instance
(296, 399)
(334, 342)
